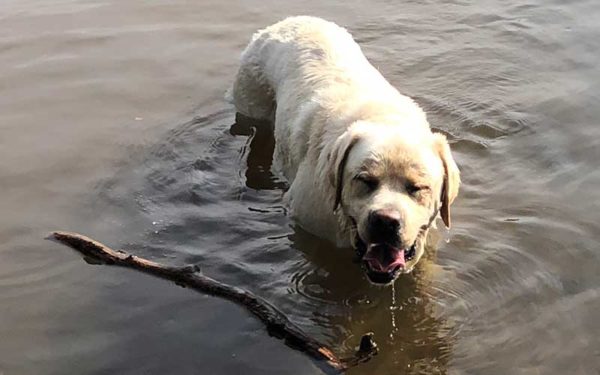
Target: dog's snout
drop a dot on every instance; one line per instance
(384, 225)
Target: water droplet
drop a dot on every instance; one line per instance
(393, 308)
(364, 301)
(414, 300)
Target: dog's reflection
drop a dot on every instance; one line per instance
(332, 291)
(259, 175)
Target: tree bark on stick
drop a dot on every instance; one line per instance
(276, 323)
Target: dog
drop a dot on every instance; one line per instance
(365, 169)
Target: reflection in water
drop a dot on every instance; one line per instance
(260, 156)
(330, 290)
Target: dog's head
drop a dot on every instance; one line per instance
(390, 184)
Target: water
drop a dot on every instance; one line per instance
(112, 124)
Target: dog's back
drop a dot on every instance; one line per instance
(303, 71)
(306, 52)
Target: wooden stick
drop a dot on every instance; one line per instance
(277, 323)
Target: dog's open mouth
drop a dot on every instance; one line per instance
(383, 262)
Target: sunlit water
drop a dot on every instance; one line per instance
(112, 124)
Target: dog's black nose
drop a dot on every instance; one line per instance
(384, 225)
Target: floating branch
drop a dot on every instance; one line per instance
(277, 324)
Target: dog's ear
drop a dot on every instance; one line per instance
(451, 176)
(336, 161)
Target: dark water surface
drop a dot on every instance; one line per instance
(112, 124)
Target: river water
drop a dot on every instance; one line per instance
(112, 124)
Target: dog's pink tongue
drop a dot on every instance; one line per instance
(384, 259)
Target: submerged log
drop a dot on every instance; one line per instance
(276, 323)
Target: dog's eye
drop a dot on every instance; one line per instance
(414, 189)
(369, 181)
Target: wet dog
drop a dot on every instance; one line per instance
(363, 165)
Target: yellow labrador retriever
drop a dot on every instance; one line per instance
(363, 165)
